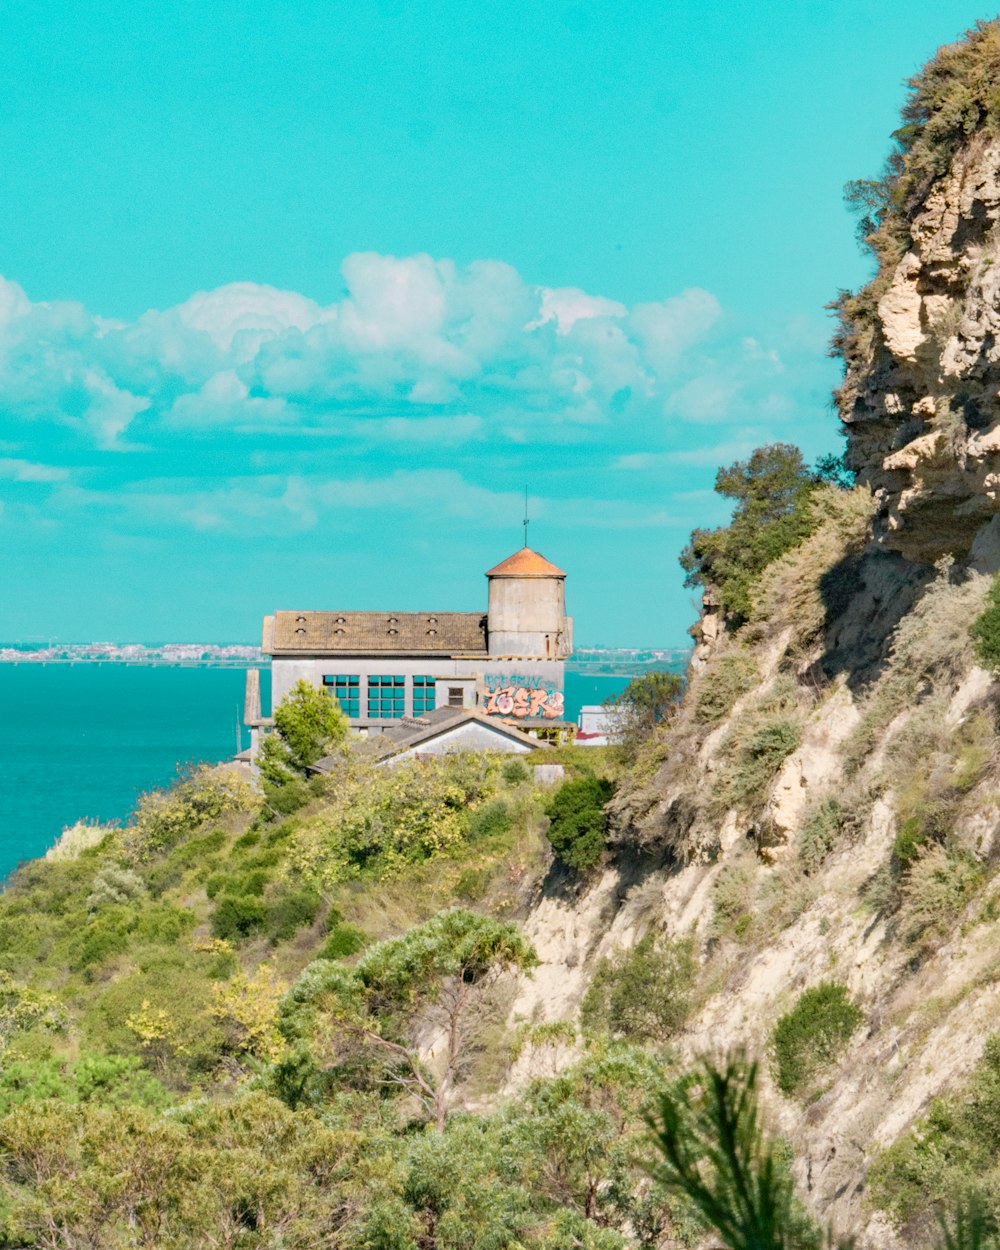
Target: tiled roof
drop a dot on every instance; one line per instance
(525, 563)
(357, 633)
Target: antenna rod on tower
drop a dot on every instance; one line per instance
(526, 516)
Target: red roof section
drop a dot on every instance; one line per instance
(525, 563)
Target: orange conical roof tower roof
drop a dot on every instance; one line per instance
(525, 563)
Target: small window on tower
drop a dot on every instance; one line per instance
(455, 696)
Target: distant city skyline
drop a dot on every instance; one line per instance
(295, 307)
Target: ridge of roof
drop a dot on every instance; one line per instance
(526, 563)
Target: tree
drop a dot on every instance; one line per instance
(306, 722)
(577, 821)
(642, 705)
(432, 981)
(771, 491)
(712, 1150)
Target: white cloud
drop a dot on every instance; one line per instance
(12, 470)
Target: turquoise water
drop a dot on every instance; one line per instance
(85, 740)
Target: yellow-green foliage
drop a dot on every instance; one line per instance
(376, 820)
(163, 817)
(794, 590)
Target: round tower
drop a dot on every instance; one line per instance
(527, 608)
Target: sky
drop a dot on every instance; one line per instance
(299, 298)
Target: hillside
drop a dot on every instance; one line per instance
(431, 1008)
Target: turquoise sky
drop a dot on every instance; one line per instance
(298, 297)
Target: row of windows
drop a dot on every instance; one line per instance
(387, 695)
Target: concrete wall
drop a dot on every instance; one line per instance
(474, 677)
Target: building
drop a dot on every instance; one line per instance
(507, 662)
(442, 732)
(594, 726)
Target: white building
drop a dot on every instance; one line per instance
(507, 662)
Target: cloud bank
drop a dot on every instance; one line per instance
(411, 338)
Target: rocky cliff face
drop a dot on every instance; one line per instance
(921, 395)
(816, 740)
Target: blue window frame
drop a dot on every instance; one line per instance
(347, 691)
(387, 697)
(423, 695)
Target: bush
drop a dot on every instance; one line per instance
(289, 910)
(644, 993)
(727, 678)
(985, 629)
(812, 1034)
(237, 917)
(491, 821)
(934, 891)
(514, 772)
(733, 898)
(343, 941)
(577, 821)
(757, 747)
(952, 1151)
(820, 833)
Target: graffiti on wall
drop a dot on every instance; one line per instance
(506, 697)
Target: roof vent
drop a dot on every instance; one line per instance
(393, 620)
(300, 630)
(301, 619)
(393, 631)
(432, 631)
(341, 620)
(338, 631)
(432, 620)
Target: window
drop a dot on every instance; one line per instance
(455, 696)
(347, 691)
(386, 697)
(423, 695)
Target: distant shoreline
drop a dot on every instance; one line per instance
(596, 661)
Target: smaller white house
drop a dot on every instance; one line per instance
(593, 726)
(443, 732)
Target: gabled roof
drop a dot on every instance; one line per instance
(525, 563)
(413, 731)
(358, 633)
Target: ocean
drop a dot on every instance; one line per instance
(83, 741)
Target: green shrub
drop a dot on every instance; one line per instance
(287, 798)
(934, 891)
(237, 917)
(644, 993)
(491, 821)
(733, 896)
(950, 1153)
(812, 1034)
(514, 772)
(577, 821)
(820, 833)
(342, 941)
(290, 909)
(726, 679)
(756, 747)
